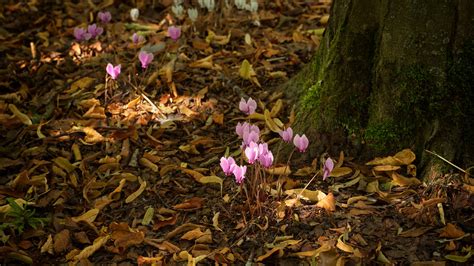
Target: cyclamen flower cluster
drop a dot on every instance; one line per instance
(92, 32)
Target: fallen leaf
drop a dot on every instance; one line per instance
(137, 193)
(415, 232)
(190, 204)
(88, 217)
(328, 203)
(451, 231)
(89, 250)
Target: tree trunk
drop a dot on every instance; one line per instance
(391, 75)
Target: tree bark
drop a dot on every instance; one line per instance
(391, 75)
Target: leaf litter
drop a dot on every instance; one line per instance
(117, 172)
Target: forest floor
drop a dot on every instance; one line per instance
(100, 171)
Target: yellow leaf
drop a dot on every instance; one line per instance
(64, 164)
(215, 221)
(279, 170)
(82, 83)
(137, 193)
(147, 163)
(256, 116)
(344, 247)
(404, 181)
(269, 253)
(211, 179)
(314, 253)
(270, 123)
(405, 156)
(89, 216)
(246, 71)
(189, 149)
(276, 108)
(309, 195)
(92, 136)
(350, 183)
(21, 116)
(193, 234)
(386, 168)
(195, 174)
(328, 203)
(340, 171)
(48, 245)
(150, 212)
(89, 250)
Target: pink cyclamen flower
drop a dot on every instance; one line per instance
(104, 17)
(301, 142)
(174, 32)
(327, 169)
(251, 151)
(136, 38)
(227, 165)
(81, 34)
(286, 134)
(249, 137)
(239, 173)
(145, 58)
(266, 159)
(94, 31)
(113, 71)
(241, 128)
(248, 107)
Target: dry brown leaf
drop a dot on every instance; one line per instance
(190, 204)
(314, 253)
(89, 250)
(451, 231)
(215, 221)
(88, 217)
(309, 195)
(48, 246)
(162, 223)
(279, 170)
(92, 136)
(270, 123)
(404, 181)
(137, 193)
(21, 116)
(124, 236)
(405, 156)
(386, 168)
(328, 203)
(193, 234)
(415, 232)
(269, 253)
(62, 240)
(340, 171)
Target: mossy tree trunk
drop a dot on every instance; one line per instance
(391, 75)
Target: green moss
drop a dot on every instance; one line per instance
(386, 136)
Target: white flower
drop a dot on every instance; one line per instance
(177, 10)
(193, 14)
(253, 6)
(178, 2)
(134, 13)
(209, 4)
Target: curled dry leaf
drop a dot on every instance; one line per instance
(137, 193)
(21, 116)
(124, 236)
(62, 240)
(328, 203)
(89, 216)
(404, 157)
(340, 171)
(306, 194)
(48, 245)
(89, 250)
(404, 181)
(451, 231)
(190, 204)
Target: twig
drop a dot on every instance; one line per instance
(445, 160)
